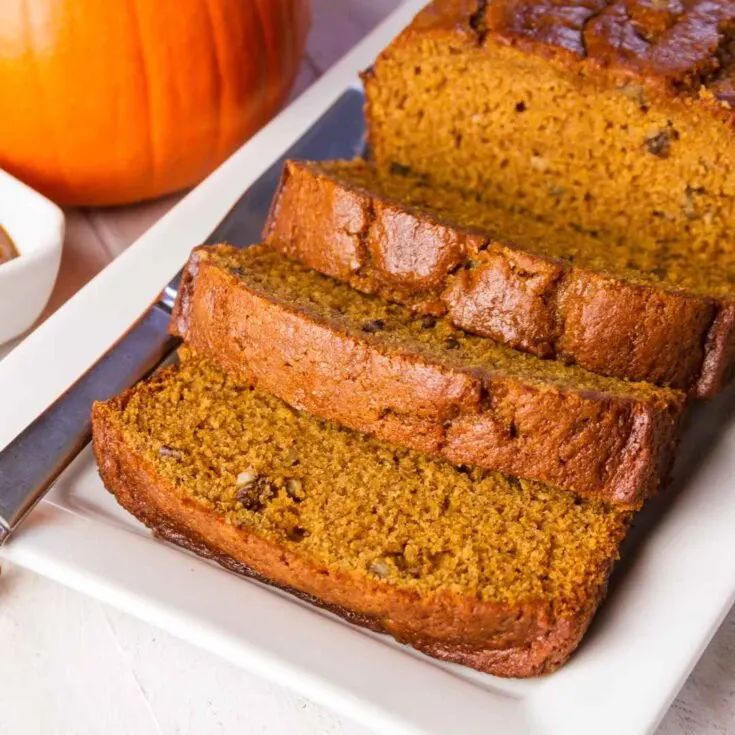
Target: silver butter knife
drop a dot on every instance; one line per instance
(31, 463)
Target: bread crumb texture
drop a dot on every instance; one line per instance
(352, 503)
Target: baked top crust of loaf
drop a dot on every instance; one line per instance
(684, 46)
(321, 346)
(170, 451)
(522, 284)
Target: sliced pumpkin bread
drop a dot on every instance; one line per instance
(373, 366)
(489, 571)
(604, 116)
(614, 307)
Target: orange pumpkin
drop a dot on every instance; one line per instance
(115, 101)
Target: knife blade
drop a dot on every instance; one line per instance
(32, 462)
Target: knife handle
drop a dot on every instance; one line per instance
(34, 460)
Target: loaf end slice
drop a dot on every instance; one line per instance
(548, 290)
(504, 581)
(373, 366)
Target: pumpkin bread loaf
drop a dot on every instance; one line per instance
(604, 116)
(373, 366)
(489, 571)
(553, 291)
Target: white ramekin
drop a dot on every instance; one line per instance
(36, 227)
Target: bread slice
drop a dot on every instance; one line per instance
(554, 292)
(321, 346)
(468, 566)
(602, 117)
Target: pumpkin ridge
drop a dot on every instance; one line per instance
(220, 83)
(150, 142)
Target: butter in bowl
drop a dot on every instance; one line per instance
(31, 238)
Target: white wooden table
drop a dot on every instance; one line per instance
(72, 666)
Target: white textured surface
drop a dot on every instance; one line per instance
(72, 665)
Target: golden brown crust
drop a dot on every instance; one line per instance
(681, 47)
(603, 446)
(718, 368)
(505, 640)
(531, 302)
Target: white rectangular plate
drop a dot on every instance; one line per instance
(674, 587)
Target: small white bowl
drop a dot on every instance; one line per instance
(36, 227)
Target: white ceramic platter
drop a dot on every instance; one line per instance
(676, 583)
